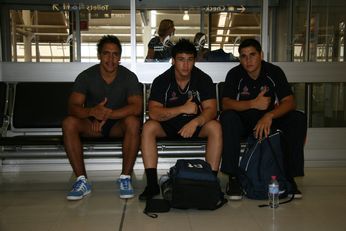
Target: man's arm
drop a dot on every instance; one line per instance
(208, 113)
(76, 108)
(158, 112)
(263, 126)
(261, 102)
(134, 107)
(150, 54)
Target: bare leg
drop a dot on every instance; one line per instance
(212, 130)
(72, 129)
(129, 128)
(151, 130)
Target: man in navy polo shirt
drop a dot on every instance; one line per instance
(182, 104)
(257, 98)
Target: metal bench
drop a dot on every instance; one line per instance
(36, 113)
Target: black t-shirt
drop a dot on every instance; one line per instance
(240, 86)
(162, 52)
(166, 91)
(91, 84)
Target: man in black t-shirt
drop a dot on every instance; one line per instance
(257, 98)
(182, 104)
(106, 101)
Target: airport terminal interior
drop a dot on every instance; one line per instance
(48, 43)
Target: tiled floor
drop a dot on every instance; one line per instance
(36, 201)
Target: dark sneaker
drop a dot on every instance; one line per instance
(297, 193)
(233, 189)
(149, 193)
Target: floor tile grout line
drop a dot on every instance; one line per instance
(123, 216)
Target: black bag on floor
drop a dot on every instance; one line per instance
(261, 160)
(154, 206)
(194, 186)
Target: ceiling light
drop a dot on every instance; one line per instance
(186, 16)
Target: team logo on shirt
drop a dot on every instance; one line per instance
(245, 91)
(173, 96)
(158, 48)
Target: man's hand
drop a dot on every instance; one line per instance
(188, 129)
(100, 112)
(261, 102)
(190, 107)
(96, 126)
(262, 128)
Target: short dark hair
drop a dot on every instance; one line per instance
(184, 46)
(108, 39)
(250, 43)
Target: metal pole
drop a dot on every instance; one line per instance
(133, 34)
(77, 43)
(307, 32)
(264, 34)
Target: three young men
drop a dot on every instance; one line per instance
(107, 101)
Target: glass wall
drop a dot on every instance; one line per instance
(66, 32)
(299, 31)
(39, 36)
(315, 33)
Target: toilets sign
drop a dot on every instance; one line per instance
(80, 6)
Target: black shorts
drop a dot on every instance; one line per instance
(172, 131)
(106, 128)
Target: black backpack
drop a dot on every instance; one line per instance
(261, 160)
(193, 186)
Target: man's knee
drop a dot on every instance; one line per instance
(229, 115)
(132, 123)
(151, 127)
(298, 118)
(212, 129)
(70, 123)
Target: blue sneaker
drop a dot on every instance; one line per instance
(126, 190)
(80, 189)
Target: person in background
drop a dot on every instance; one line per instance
(182, 104)
(160, 47)
(106, 101)
(257, 98)
(200, 41)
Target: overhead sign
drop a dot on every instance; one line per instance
(213, 9)
(80, 6)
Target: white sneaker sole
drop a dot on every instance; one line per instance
(296, 196)
(235, 198)
(127, 196)
(75, 198)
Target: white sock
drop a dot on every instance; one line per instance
(81, 177)
(125, 176)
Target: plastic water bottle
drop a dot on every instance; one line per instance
(273, 193)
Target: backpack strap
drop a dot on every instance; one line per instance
(284, 202)
(281, 171)
(222, 202)
(275, 156)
